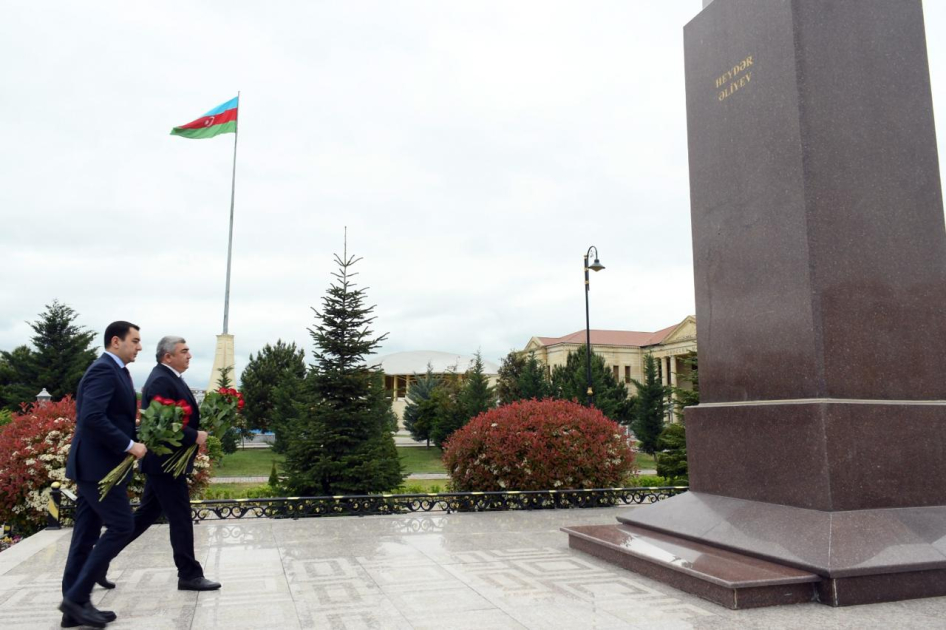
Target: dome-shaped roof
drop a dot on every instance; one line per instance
(440, 362)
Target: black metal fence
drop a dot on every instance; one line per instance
(62, 503)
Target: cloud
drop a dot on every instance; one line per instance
(474, 151)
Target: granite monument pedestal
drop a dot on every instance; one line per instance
(819, 443)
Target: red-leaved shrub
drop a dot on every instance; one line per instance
(33, 452)
(538, 445)
(34, 448)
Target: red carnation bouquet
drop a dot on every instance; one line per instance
(218, 413)
(161, 430)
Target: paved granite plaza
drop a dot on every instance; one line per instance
(476, 571)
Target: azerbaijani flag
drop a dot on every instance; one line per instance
(222, 119)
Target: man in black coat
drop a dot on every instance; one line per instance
(164, 492)
(105, 428)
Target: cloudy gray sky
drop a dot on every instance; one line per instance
(474, 150)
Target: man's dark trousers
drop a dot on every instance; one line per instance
(170, 495)
(90, 553)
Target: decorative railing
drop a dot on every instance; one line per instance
(62, 503)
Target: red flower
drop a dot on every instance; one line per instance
(240, 404)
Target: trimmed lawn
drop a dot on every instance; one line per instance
(420, 459)
(252, 462)
(257, 462)
(645, 461)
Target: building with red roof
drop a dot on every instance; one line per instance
(624, 351)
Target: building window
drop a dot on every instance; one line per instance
(627, 373)
(617, 373)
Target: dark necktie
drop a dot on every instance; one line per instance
(130, 381)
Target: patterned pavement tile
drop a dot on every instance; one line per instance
(410, 572)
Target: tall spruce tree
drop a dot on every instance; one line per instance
(449, 410)
(476, 395)
(420, 412)
(263, 375)
(534, 381)
(17, 378)
(340, 442)
(672, 453)
(510, 370)
(570, 382)
(61, 353)
(651, 406)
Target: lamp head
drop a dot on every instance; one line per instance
(596, 265)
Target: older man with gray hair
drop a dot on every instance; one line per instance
(165, 493)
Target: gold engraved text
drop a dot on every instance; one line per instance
(734, 79)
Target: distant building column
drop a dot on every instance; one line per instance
(663, 371)
(672, 360)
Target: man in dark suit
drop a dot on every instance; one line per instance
(105, 428)
(164, 492)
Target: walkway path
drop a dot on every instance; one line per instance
(403, 572)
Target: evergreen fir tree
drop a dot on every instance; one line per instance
(534, 380)
(17, 378)
(448, 408)
(261, 378)
(420, 412)
(510, 370)
(476, 395)
(61, 353)
(570, 382)
(285, 398)
(651, 405)
(672, 453)
(63, 350)
(340, 442)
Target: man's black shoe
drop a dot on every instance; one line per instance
(197, 584)
(84, 614)
(104, 582)
(69, 622)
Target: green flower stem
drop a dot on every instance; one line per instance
(116, 475)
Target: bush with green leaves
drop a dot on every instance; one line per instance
(654, 481)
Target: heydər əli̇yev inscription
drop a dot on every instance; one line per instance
(734, 79)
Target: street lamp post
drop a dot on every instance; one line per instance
(43, 397)
(595, 266)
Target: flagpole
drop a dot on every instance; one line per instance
(226, 295)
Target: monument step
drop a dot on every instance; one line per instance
(723, 577)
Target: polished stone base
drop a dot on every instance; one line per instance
(826, 455)
(722, 577)
(859, 556)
